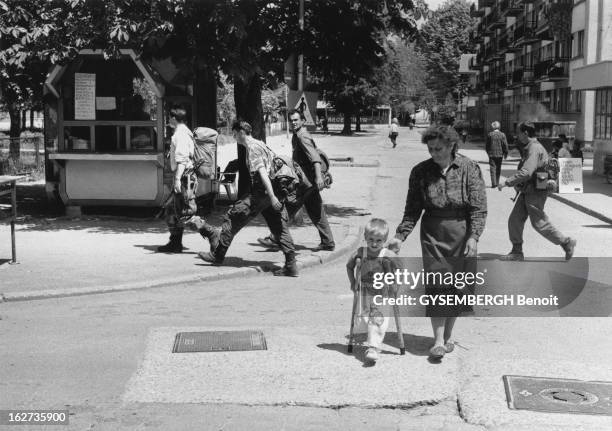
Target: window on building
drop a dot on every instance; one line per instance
(578, 44)
(603, 114)
(575, 101)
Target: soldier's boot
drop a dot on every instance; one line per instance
(268, 241)
(175, 245)
(211, 233)
(216, 255)
(568, 246)
(290, 269)
(515, 254)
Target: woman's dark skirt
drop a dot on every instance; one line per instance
(443, 242)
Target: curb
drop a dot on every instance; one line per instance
(352, 238)
(581, 208)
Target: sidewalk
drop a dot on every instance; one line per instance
(596, 199)
(93, 254)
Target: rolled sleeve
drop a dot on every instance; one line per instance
(183, 149)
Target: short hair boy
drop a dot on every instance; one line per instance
(370, 260)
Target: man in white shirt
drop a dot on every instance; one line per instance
(181, 155)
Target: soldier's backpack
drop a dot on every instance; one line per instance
(204, 148)
(327, 176)
(286, 177)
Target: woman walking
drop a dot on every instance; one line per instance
(448, 190)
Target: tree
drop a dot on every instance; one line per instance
(401, 79)
(345, 43)
(248, 40)
(443, 37)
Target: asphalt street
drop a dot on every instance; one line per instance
(105, 357)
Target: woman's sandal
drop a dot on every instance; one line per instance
(437, 352)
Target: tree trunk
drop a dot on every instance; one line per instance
(14, 132)
(23, 120)
(357, 122)
(346, 130)
(205, 94)
(247, 98)
(31, 118)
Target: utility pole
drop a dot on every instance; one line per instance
(300, 83)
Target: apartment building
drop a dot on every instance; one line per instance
(522, 62)
(544, 60)
(591, 73)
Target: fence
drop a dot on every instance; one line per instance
(31, 156)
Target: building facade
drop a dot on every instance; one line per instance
(591, 73)
(547, 61)
(522, 64)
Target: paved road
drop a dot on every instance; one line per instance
(96, 354)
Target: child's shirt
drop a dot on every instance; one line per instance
(381, 263)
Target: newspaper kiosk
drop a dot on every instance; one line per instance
(105, 129)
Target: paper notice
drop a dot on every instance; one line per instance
(84, 96)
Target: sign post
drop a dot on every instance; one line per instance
(306, 102)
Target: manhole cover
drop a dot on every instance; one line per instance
(219, 341)
(558, 395)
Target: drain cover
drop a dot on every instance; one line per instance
(558, 395)
(219, 341)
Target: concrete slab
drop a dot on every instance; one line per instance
(482, 399)
(301, 367)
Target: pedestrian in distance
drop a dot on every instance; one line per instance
(261, 199)
(564, 151)
(497, 150)
(531, 197)
(366, 261)
(178, 209)
(394, 132)
(306, 156)
(449, 193)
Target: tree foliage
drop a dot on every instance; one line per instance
(248, 40)
(443, 37)
(345, 43)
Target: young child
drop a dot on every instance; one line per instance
(369, 260)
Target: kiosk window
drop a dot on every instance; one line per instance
(111, 100)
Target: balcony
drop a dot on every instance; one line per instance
(503, 43)
(476, 37)
(511, 7)
(483, 27)
(542, 27)
(494, 20)
(475, 63)
(476, 12)
(512, 46)
(524, 33)
(556, 69)
(522, 77)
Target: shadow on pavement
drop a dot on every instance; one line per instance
(238, 262)
(340, 211)
(416, 345)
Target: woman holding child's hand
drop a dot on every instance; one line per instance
(448, 190)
